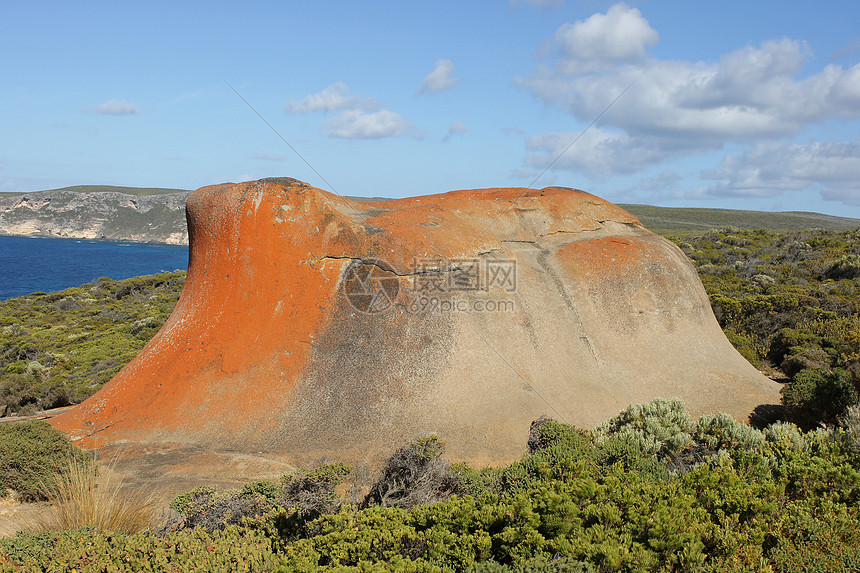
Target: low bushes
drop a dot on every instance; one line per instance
(763, 282)
(308, 492)
(59, 348)
(818, 396)
(789, 301)
(32, 456)
(613, 499)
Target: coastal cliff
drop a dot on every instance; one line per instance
(97, 212)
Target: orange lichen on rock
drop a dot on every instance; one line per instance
(313, 325)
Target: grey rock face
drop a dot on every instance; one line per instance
(110, 215)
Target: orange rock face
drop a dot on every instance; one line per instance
(315, 326)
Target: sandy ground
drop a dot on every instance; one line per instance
(15, 516)
(164, 470)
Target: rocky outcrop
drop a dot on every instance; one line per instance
(105, 214)
(316, 326)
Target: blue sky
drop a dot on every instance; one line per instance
(748, 105)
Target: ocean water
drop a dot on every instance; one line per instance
(29, 264)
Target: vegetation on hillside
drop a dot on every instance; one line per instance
(59, 348)
(31, 455)
(790, 302)
(138, 191)
(650, 490)
(697, 220)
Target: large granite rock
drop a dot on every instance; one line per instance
(313, 326)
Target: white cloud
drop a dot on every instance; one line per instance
(749, 94)
(440, 79)
(675, 108)
(358, 117)
(660, 182)
(357, 124)
(117, 107)
(620, 35)
(335, 97)
(769, 169)
(456, 128)
(597, 153)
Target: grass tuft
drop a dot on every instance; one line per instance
(81, 497)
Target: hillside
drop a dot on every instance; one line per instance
(149, 215)
(157, 215)
(692, 220)
(137, 191)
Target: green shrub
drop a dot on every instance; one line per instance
(185, 503)
(745, 344)
(312, 491)
(557, 451)
(775, 500)
(536, 565)
(818, 396)
(850, 423)
(821, 469)
(309, 492)
(809, 358)
(86, 550)
(722, 432)
(31, 453)
(205, 508)
(810, 540)
(267, 488)
(474, 482)
(626, 451)
(660, 427)
(847, 267)
(786, 434)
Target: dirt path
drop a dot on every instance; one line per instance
(43, 415)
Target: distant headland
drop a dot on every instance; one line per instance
(157, 215)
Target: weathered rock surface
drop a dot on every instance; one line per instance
(108, 213)
(312, 325)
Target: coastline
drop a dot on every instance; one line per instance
(181, 241)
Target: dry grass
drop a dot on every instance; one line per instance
(81, 497)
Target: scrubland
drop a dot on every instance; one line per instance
(650, 490)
